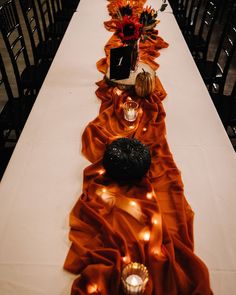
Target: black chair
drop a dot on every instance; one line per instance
(10, 111)
(225, 9)
(15, 110)
(178, 7)
(188, 21)
(29, 78)
(13, 115)
(61, 13)
(72, 4)
(43, 50)
(51, 28)
(214, 73)
(199, 43)
(225, 106)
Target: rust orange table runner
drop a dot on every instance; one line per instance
(147, 221)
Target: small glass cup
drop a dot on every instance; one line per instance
(134, 278)
(130, 110)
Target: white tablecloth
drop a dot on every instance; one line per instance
(44, 177)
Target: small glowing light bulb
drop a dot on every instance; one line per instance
(146, 236)
(132, 203)
(126, 259)
(149, 196)
(156, 251)
(155, 221)
(118, 92)
(92, 288)
(144, 129)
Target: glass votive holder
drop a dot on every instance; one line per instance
(134, 278)
(130, 110)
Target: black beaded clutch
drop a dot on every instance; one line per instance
(126, 159)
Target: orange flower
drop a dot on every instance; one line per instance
(129, 29)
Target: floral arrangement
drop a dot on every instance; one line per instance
(130, 27)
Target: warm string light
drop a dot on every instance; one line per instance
(144, 129)
(126, 259)
(146, 236)
(155, 219)
(101, 171)
(117, 91)
(92, 289)
(133, 203)
(106, 196)
(149, 196)
(156, 251)
(135, 210)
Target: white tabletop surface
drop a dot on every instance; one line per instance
(44, 177)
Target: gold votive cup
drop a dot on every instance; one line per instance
(134, 278)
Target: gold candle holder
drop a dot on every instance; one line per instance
(134, 278)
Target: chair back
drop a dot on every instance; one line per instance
(225, 52)
(31, 18)
(56, 6)
(193, 14)
(4, 82)
(179, 8)
(208, 21)
(45, 15)
(9, 117)
(232, 114)
(14, 39)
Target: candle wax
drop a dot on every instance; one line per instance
(131, 113)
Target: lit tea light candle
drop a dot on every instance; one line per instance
(134, 281)
(134, 278)
(130, 110)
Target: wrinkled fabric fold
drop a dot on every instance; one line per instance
(110, 219)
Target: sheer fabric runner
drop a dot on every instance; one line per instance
(147, 221)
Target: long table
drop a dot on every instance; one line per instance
(44, 177)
